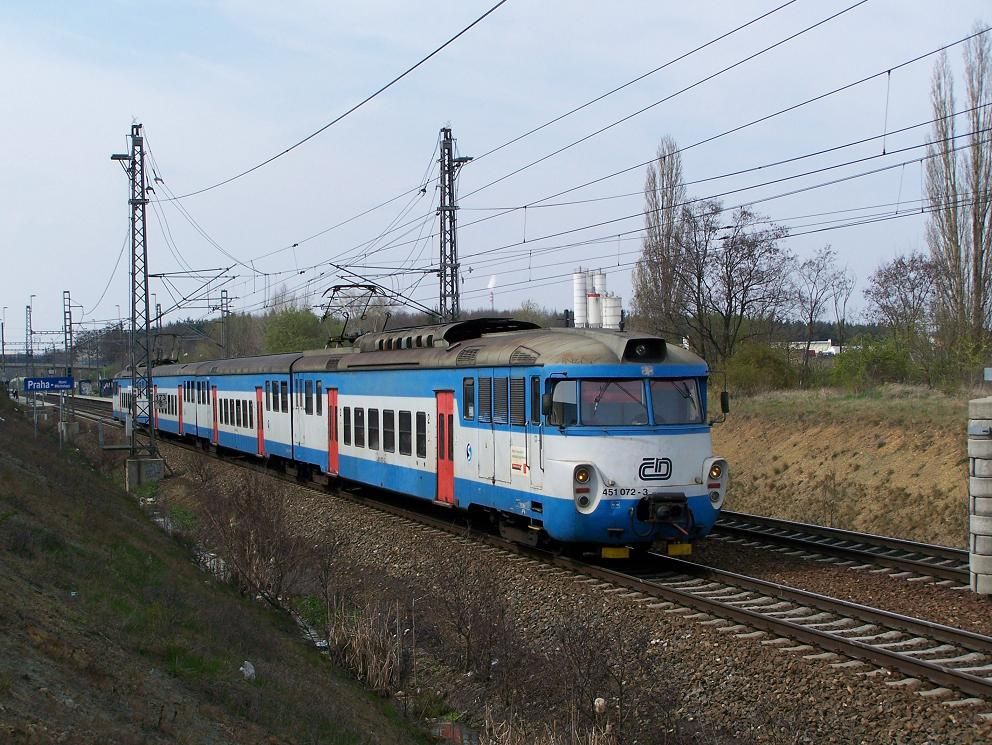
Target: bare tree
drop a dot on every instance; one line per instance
(844, 282)
(657, 289)
(816, 280)
(734, 284)
(960, 227)
(901, 294)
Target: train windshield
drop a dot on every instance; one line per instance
(676, 401)
(625, 403)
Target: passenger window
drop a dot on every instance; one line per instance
(421, 434)
(347, 425)
(319, 400)
(373, 429)
(359, 428)
(284, 388)
(389, 431)
(468, 398)
(406, 433)
(268, 395)
(308, 398)
(250, 405)
(237, 408)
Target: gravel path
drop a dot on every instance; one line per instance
(725, 689)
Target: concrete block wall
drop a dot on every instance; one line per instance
(980, 493)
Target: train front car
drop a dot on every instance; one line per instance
(627, 443)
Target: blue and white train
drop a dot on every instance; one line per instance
(581, 436)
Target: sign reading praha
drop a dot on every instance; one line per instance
(36, 385)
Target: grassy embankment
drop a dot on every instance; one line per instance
(893, 461)
(108, 632)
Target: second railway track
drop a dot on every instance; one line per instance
(853, 549)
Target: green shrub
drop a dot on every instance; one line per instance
(757, 368)
(868, 363)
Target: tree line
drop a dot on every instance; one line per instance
(724, 280)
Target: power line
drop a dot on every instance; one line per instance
(669, 97)
(349, 111)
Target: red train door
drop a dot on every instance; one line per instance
(259, 428)
(181, 410)
(445, 447)
(213, 402)
(332, 431)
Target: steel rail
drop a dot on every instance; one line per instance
(933, 560)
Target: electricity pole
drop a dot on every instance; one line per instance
(450, 300)
(225, 312)
(140, 337)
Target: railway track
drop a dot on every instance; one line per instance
(846, 548)
(942, 661)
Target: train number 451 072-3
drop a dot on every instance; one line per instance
(614, 491)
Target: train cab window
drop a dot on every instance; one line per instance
(284, 387)
(359, 427)
(373, 429)
(319, 399)
(405, 433)
(564, 406)
(518, 401)
(346, 415)
(535, 400)
(613, 403)
(485, 399)
(389, 431)
(676, 401)
(308, 398)
(468, 398)
(268, 395)
(421, 434)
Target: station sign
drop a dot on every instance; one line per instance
(37, 385)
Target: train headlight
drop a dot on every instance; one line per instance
(716, 471)
(582, 475)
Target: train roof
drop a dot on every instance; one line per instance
(479, 342)
(489, 342)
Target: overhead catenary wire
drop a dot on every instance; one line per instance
(353, 109)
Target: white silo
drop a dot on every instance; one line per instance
(599, 283)
(611, 312)
(579, 298)
(595, 308)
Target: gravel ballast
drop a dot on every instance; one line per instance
(722, 688)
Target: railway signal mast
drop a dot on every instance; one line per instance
(144, 463)
(450, 302)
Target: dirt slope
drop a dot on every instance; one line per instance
(894, 462)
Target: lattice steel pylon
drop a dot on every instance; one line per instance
(449, 306)
(68, 400)
(140, 337)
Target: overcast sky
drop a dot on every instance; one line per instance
(221, 86)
